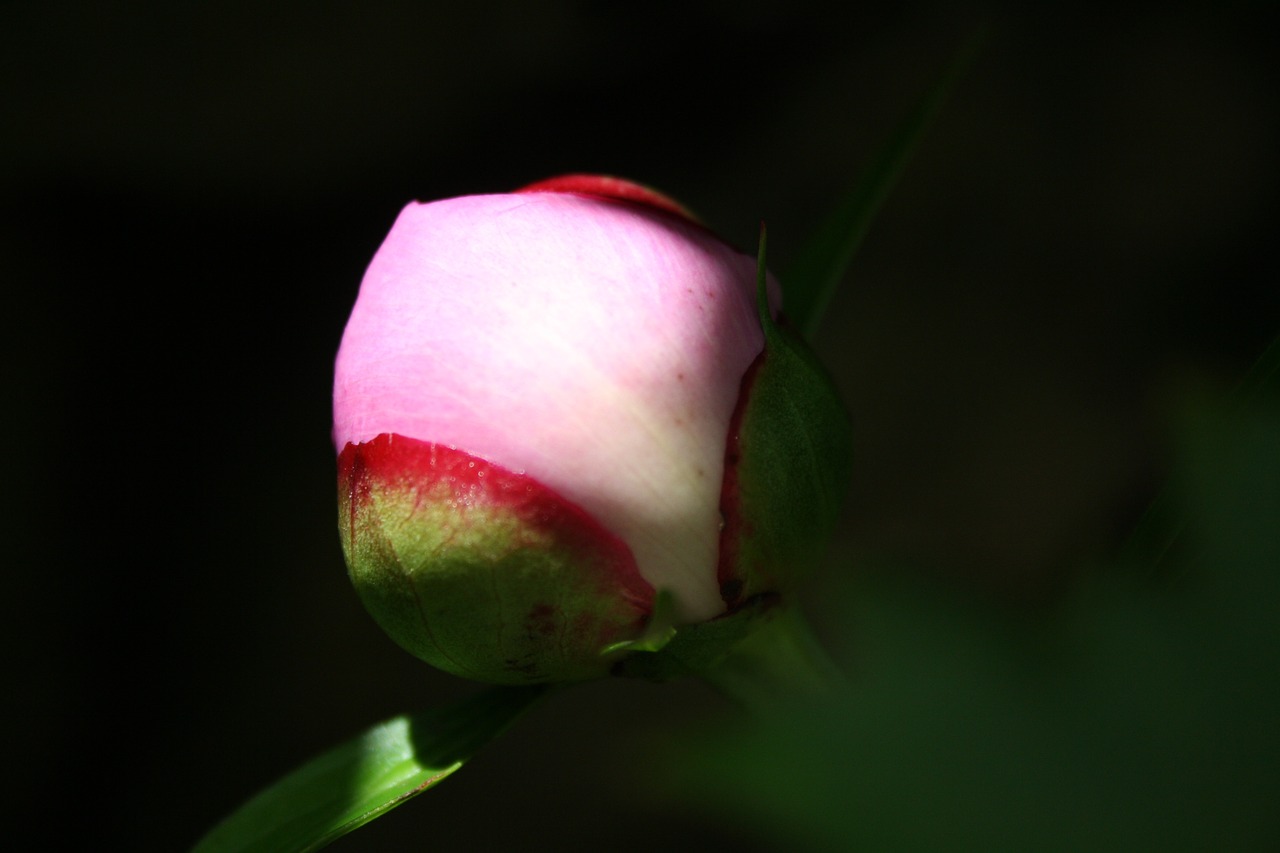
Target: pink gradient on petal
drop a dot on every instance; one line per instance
(595, 346)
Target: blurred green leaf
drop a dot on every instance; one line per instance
(1263, 379)
(1152, 547)
(363, 779)
(1132, 717)
(823, 260)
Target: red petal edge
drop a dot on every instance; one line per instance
(729, 573)
(473, 481)
(607, 186)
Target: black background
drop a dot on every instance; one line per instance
(191, 191)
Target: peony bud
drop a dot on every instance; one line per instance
(543, 407)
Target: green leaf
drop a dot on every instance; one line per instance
(1158, 537)
(1264, 377)
(817, 273)
(365, 778)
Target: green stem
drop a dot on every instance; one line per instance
(780, 662)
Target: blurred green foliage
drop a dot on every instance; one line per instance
(1138, 714)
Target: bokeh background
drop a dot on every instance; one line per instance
(190, 193)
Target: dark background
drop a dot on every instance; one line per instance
(190, 194)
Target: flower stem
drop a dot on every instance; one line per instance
(780, 662)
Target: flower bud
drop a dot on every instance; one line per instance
(543, 405)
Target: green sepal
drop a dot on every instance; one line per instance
(660, 630)
(697, 649)
(794, 462)
(481, 571)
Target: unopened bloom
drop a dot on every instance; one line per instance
(536, 407)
